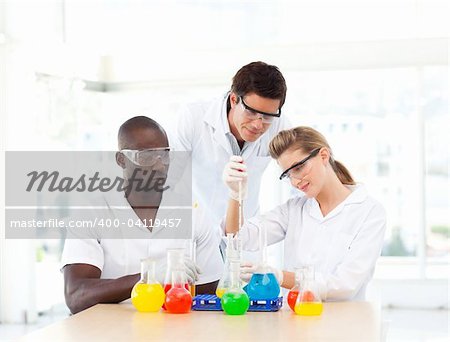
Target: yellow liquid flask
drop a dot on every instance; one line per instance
(147, 295)
(233, 253)
(308, 301)
(235, 301)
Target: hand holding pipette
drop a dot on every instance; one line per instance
(235, 176)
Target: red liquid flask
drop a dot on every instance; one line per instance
(175, 261)
(178, 298)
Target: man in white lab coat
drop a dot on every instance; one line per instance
(103, 268)
(241, 123)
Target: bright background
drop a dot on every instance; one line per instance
(371, 75)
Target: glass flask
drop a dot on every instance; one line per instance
(233, 253)
(263, 284)
(147, 294)
(235, 301)
(175, 261)
(178, 298)
(293, 293)
(308, 301)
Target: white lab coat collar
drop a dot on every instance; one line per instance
(358, 195)
(221, 127)
(219, 123)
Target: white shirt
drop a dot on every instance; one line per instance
(203, 128)
(121, 256)
(343, 246)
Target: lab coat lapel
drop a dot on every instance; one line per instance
(216, 119)
(358, 195)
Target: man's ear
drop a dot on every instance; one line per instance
(120, 159)
(234, 99)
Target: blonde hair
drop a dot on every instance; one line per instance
(307, 139)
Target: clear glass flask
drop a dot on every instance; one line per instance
(293, 293)
(147, 294)
(178, 298)
(235, 301)
(233, 253)
(308, 301)
(263, 284)
(175, 261)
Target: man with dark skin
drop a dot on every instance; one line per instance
(84, 283)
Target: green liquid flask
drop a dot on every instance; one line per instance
(233, 253)
(235, 301)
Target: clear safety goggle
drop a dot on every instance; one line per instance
(253, 114)
(297, 170)
(148, 157)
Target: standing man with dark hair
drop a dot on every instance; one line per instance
(234, 128)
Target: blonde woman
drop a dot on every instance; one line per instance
(335, 226)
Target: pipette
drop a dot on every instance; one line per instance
(240, 206)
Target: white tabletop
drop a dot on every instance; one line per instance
(347, 321)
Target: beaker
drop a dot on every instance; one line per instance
(235, 301)
(308, 301)
(178, 298)
(263, 284)
(147, 294)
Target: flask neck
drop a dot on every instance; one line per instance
(175, 259)
(234, 272)
(178, 279)
(148, 267)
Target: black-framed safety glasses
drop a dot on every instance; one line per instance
(298, 166)
(254, 114)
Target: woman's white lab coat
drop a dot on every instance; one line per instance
(343, 246)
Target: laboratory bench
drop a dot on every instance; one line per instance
(345, 321)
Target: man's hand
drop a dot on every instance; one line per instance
(235, 171)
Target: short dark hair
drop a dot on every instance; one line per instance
(262, 79)
(138, 122)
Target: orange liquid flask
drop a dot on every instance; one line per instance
(178, 298)
(147, 295)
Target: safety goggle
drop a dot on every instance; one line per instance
(253, 114)
(296, 170)
(148, 157)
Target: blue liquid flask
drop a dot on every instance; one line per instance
(263, 286)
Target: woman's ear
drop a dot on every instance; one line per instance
(324, 154)
(120, 159)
